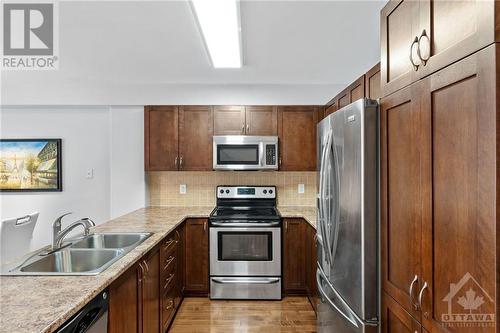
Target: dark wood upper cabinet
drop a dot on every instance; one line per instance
(196, 254)
(372, 83)
(460, 165)
(297, 133)
(161, 138)
(357, 89)
(261, 120)
(451, 30)
(294, 248)
(195, 138)
(343, 99)
(395, 319)
(331, 107)
(398, 30)
(421, 37)
(229, 120)
(401, 196)
(124, 303)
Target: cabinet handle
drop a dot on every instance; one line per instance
(419, 53)
(421, 295)
(178, 236)
(168, 243)
(169, 279)
(410, 292)
(146, 268)
(415, 42)
(142, 272)
(170, 304)
(286, 226)
(180, 162)
(176, 160)
(243, 129)
(169, 260)
(279, 161)
(205, 226)
(248, 128)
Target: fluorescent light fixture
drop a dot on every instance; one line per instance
(219, 22)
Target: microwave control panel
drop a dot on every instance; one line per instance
(270, 154)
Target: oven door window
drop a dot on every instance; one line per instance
(237, 154)
(245, 246)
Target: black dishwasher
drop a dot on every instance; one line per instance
(92, 318)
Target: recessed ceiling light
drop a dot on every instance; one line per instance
(219, 22)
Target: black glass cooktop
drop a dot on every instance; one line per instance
(245, 213)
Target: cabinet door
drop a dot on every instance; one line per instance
(343, 99)
(196, 251)
(261, 120)
(297, 135)
(229, 120)
(398, 30)
(331, 108)
(294, 268)
(195, 138)
(151, 294)
(123, 303)
(395, 319)
(372, 82)
(401, 195)
(452, 30)
(357, 89)
(460, 168)
(161, 138)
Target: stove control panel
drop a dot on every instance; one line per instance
(246, 192)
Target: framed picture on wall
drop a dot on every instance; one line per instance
(30, 165)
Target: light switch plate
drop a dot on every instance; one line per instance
(301, 188)
(182, 188)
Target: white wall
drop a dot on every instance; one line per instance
(104, 139)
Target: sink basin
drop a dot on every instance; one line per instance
(73, 261)
(110, 241)
(89, 255)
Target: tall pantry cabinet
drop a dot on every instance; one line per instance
(439, 166)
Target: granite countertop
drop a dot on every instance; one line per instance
(308, 213)
(42, 303)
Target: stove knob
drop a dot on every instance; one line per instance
(265, 191)
(270, 191)
(221, 191)
(227, 191)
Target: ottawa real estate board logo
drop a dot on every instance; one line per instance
(468, 305)
(29, 35)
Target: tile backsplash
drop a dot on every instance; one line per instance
(164, 186)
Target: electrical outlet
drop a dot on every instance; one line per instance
(182, 189)
(90, 173)
(301, 189)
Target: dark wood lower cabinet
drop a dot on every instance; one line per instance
(196, 252)
(149, 315)
(395, 319)
(294, 246)
(124, 303)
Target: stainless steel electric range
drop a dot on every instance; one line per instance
(245, 244)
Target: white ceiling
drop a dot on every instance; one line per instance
(141, 52)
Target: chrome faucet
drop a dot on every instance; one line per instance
(58, 234)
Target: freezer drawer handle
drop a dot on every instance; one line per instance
(320, 276)
(248, 281)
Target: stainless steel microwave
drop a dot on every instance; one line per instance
(245, 152)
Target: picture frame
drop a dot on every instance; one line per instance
(31, 165)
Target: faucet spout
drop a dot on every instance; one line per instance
(59, 235)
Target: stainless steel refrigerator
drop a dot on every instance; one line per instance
(348, 251)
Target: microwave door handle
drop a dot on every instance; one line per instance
(261, 154)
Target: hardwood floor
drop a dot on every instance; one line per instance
(199, 315)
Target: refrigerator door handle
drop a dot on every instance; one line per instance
(323, 200)
(352, 317)
(336, 195)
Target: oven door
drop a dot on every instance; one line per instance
(237, 251)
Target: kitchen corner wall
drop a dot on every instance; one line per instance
(164, 186)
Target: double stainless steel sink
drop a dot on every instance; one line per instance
(88, 255)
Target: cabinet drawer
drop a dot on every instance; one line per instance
(169, 245)
(167, 308)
